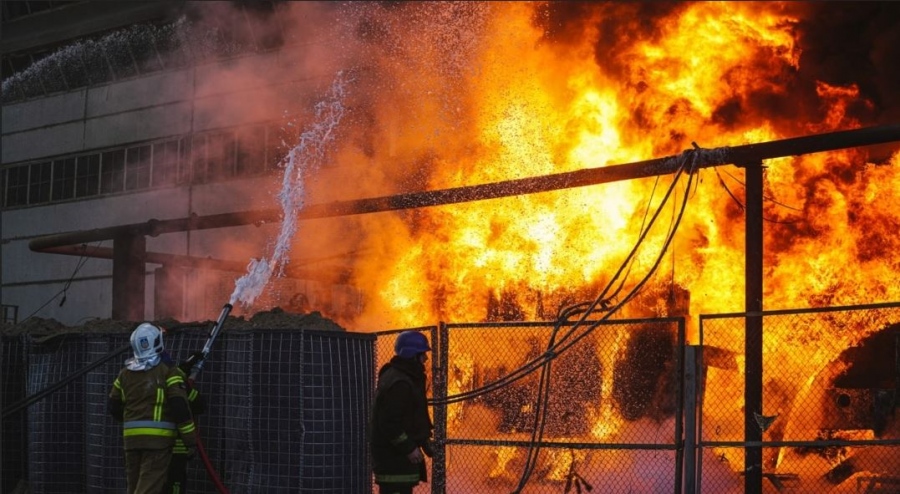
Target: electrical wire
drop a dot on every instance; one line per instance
(741, 204)
(543, 392)
(690, 162)
(768, 198)
(556, 348)
(602, 300)
(82, 260)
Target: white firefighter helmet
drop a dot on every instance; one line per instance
(147, 344)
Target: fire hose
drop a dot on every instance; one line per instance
(195, 371)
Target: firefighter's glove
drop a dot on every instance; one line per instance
(188, 365)
(415, 456)
(428, 448)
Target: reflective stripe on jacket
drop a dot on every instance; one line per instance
(145, 400)
(197, 405)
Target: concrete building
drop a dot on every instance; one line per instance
(129, 156)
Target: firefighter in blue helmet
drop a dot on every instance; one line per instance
(149, 397)
(401, 424)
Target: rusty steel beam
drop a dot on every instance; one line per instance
(753, 325)
(748, 153)
(154, 228)
(593, 176)
(179, 260)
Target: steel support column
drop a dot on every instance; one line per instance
(691, 435)
(129, 252)
(439, 369)
(747, 153)
(753, 333)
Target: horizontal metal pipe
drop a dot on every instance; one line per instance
(593, 176)
(290, 271)
(151, 257)
(817, 143)
(156, 227)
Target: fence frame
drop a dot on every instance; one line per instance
(688, 443)
(695, 452)
(440, 337)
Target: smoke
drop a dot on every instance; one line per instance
(853, 43)
(457, 93)
(303, 161)
(840, 43)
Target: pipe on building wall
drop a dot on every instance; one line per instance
(749, 153)
(194, 262)
(592, 176)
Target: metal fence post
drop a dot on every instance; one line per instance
(439, 366)
(690, 418)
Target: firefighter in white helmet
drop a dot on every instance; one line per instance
(149, 397)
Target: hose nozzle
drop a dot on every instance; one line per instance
(213, 333)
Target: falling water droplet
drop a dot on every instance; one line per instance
(304, 159)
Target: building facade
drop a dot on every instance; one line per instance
(131, 151)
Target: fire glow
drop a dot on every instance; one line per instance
(529, 107)
(472, 93)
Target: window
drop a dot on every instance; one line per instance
(120, 59)
(251, 151)
(220, 156)
(63, 186)
(112, 171)
(16, 186)
(39, 183)
(137, 168)
(184, 162)
(165, 163)
(276, 148)
(246, 151)
(198, 159)
(10, 314)
(87, 175)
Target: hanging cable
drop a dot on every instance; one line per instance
(601, 300)
(557, 349)
(82, 260)
(742, 207)
(768, 198)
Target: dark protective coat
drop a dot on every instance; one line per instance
(153, 407)
(400, 422)
(181, 454)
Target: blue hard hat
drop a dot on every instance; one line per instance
(411, 343)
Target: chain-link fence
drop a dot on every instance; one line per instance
(824, 419)
(610, 406)
(555, 409)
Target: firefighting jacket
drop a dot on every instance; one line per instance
(400, 422)
(153, 408)
(197, 404)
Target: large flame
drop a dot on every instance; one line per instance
(514, 101)
(487, 92)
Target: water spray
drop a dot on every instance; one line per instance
(303, 160)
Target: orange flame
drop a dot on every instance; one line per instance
(526, 102)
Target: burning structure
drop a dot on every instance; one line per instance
(172, 123)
